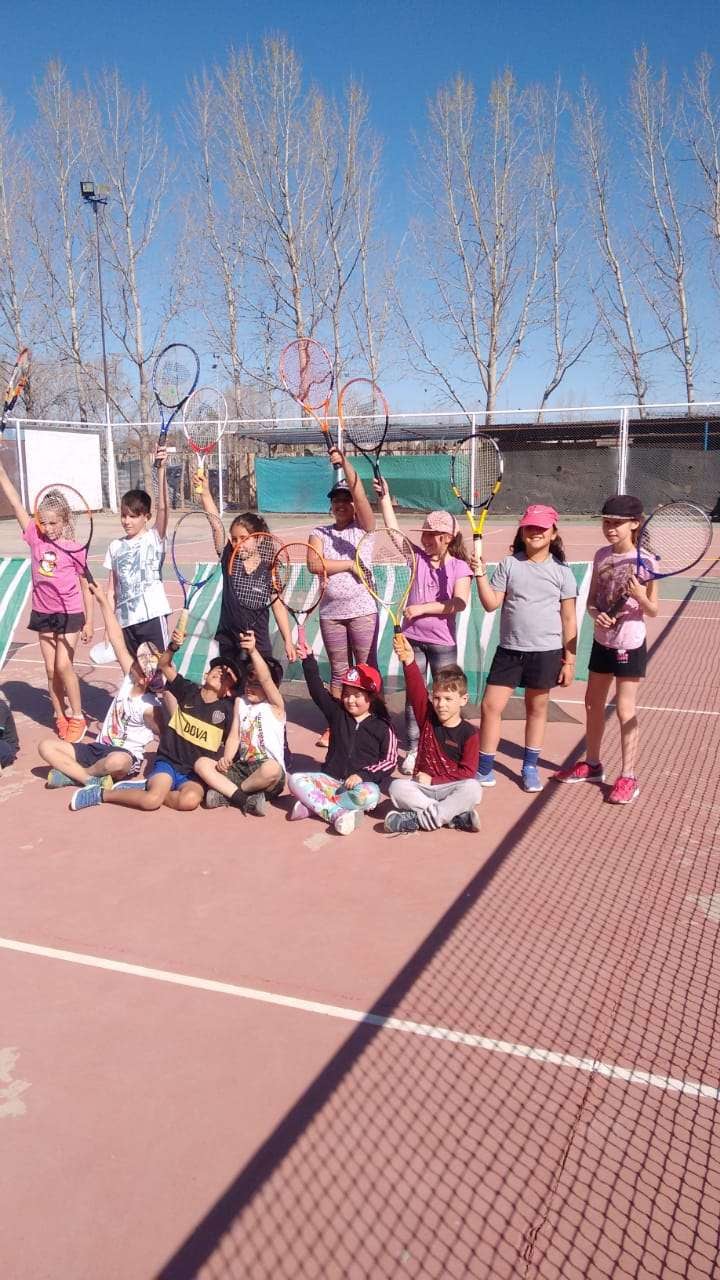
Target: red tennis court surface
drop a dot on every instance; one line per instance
(232, 1047)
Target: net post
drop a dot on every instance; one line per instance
(21, 470)
(623, 446)
(473, 466)
(221, 494)
(110, 458)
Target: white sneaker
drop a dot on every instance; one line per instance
(346, 822)
(408, 764)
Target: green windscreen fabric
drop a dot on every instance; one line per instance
(417, 482)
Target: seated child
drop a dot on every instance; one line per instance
(9, 742)
(252, 766)
(129, 725)
(199, 723)
(443, 791)
(362, 752)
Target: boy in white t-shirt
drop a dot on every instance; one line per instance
(135, 562)
(129, 726)
(252, 766)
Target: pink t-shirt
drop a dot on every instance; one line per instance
(612, 572)
(434, 583)
(55, 574)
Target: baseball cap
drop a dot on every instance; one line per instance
(439, 522)
(623, 504)
(226, 662)
(340, 490)
(539, 515)
(363, 677)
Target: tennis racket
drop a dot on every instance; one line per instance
(174, 378)
(16, 385)
(476, 479)
(205, 417)
(306, 373)
(368, 416)
(250, 571)
(194, 548)
(301, 588)
(672, 539)
(385, 564)
(64, 519)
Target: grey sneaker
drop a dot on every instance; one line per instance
(398, 820)
(256, 804)
(469, 821)
(213, 799)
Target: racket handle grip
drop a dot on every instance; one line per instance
(87, 574)
(302, 639)
(199, 481)
(613, 610)
(182, 622)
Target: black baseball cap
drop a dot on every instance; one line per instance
(226, 662)
(623, 505)
(341, 490)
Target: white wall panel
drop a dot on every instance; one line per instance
(67, 457)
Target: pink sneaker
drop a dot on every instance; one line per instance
(581, 772)
(298, 811)
(624, 790)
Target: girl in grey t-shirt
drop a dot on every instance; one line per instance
(535, 592)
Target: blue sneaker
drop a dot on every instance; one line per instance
(56, 778)
(87, 797)
(486, 779)
(531, 778)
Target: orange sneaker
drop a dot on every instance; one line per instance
(61, 726)
(76, 727)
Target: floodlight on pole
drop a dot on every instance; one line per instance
(97, 196)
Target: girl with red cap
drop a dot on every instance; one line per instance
(619, 649)
(362, 752)
(535, 592)
(440, 591)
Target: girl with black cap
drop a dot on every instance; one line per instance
(619, 649)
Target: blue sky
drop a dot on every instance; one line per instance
(401, 51)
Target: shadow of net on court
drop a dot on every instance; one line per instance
(536, 1093)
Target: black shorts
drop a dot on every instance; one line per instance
(538, 669)
(154, 631)
(241, 769)
(60, 622)
(631, 663)
(89, 753)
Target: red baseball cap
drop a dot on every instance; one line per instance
(363, 677)
(539, 515)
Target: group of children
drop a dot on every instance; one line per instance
(223, 742)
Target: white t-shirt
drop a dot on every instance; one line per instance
(136, 565)
(124, 725)
(262, 732)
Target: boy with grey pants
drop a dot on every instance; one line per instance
(443, 791)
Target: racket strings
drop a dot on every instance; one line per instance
(250, 570)
(195, 546)
(173, 377)
(205, 418)
(299, 587)
(365, 415)
(677, 536)
(386, 561)
(63, 517)
(307, 372)
(476, 471)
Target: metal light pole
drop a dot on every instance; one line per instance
(96, 198)
(221, 496)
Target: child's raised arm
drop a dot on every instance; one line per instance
(163, 502)
(490, 599)
(262, 671)
(113, 630)
(13, 498)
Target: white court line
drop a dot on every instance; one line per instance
(507, 1048)
(681, 711)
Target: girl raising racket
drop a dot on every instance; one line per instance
(348, 613)
(535, 592)
(619, 649)
(440, 590)
(61, 602)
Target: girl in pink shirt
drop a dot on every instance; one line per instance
(619, 649)
(440, 591)
(60, 604)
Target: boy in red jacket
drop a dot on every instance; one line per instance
(443, 791)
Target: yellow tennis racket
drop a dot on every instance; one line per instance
(385, 564)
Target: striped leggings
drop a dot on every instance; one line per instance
(349, 640)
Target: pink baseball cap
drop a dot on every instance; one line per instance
(439, 522)
(539, 515)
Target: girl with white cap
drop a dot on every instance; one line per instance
(440, 591)
(535, 592)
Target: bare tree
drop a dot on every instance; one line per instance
(132, 159)
(547, 110)
(610, 291)
(480, 242)
(701, 119)
(16, 266)
(60, 233)
(662, 276)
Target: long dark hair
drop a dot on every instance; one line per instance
(377, 705)
(456, 547)
(251, 521)
(557, 550)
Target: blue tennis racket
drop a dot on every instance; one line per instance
(671, 541)
(196, 547)
(174, 378)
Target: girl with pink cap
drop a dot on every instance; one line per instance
(535, 592)
(440, 591)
